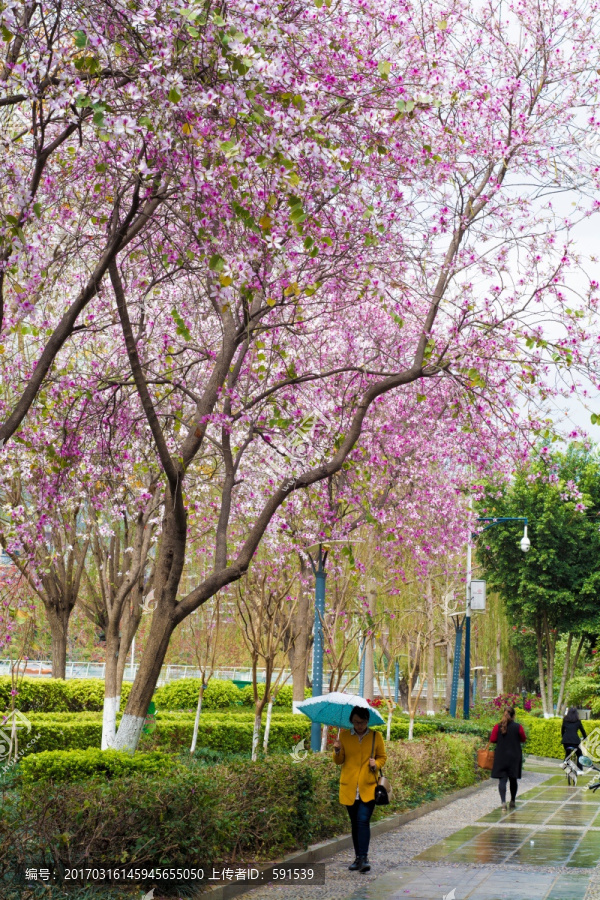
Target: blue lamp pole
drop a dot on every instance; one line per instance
(458, 624)
(525, 545)
(317, 672)
(361, 679)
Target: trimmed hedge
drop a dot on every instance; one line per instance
(213, 814)
(183, 694)
(284, 697)
(56, 695)
(87, 695)
(543, 736)
(227, 732)
(76, 765)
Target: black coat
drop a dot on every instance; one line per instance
(508, 758)
(570, 733)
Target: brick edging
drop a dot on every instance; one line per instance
(317, 852)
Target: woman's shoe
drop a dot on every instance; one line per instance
(504, 808)
(364, 864)
(355, 865)
(512, 805)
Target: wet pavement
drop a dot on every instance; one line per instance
(548, 848)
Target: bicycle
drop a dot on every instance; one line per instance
(590, 764)
(571, 768)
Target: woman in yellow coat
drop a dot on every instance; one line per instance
(360, 760)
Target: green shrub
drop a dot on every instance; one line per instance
(76, 765)
(227, 731)
(284, 697)
(183, 694)
(213, 814)
(544, 738)
(56, 695)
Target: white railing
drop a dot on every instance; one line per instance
(43, 669)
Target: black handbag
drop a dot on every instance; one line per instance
(383, 789)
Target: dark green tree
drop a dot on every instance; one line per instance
(553, 589)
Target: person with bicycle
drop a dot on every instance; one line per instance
(569, 733)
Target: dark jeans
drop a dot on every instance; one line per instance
(569, 749)
(514, 786)
(360, 814)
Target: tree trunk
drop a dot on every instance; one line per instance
(389, 724)
(563, 679)
(59, 625)
(430, 652)
(575, 659)
(197, 719)
(112, 692)
(411, 726)
(256, 734)
(324, 733)
(132, 722)
(298, 652)
(551, 647)
(499, 672)
(268, 725)
(403, 692)
(167, 577)
(540, 657)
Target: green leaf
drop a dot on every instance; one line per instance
(37, 208)
(218, 20)
(174, 95)
(100, 167)
(144, 120)
(595, 419)
(81, 40)
(384, 68)
(216, 263)
(181, 326)
(7, 36)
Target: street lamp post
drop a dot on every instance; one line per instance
(320, 574)
(458, 626)
(524, 544)
(318, 567)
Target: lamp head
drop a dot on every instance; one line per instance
(525, 542)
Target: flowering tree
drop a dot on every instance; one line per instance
(309, 209)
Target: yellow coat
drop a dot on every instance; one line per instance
(354, 757)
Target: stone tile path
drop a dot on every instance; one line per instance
(546, 849)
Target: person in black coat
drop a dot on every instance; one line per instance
(569, 733)
(508, 735)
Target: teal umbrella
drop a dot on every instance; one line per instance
(335, 708)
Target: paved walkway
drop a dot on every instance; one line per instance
(546, 849)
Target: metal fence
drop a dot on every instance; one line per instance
(43, 669)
